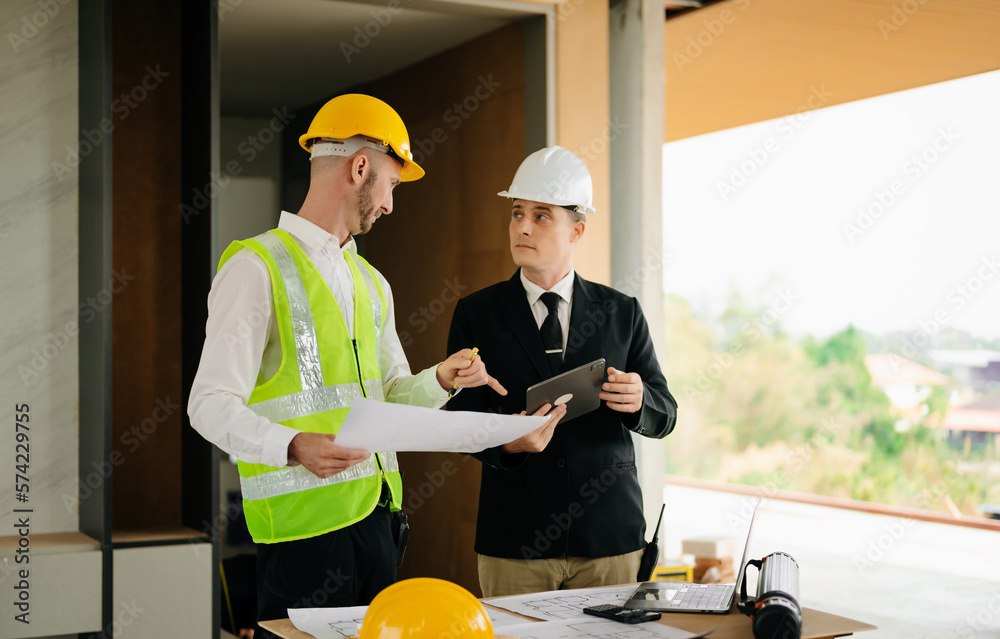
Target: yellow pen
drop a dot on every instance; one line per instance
(472, 356)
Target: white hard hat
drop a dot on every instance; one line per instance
(553, 176)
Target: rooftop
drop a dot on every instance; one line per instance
(888, 369)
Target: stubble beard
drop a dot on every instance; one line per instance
(367, 211)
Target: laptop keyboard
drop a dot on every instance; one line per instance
(699, 596)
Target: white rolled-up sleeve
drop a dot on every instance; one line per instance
(239, 319)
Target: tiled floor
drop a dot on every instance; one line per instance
(911, 579)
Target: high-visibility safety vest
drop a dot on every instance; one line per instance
(322, 371)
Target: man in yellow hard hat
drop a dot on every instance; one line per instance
(560, 507)
(299, 326)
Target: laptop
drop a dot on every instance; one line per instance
(682, 596)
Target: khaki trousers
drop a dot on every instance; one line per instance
(501, 577)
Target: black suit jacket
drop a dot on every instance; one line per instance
(580, 496)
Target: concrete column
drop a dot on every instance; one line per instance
(637, 78)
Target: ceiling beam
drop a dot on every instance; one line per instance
(743, 61)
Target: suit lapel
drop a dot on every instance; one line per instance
(582, 325)
(516, 312)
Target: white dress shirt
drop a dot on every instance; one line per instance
(564, 289)
(242, 348)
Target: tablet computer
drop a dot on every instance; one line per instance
(577, 388)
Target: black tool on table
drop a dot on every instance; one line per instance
(621, 614)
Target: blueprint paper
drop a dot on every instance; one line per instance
(501, 619)
(563, 604)
(345, 623)
(328, 623)
(382, 426)
(591, 628)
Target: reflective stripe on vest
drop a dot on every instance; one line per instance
(376, 302)
(317, 400)
(284, 504)
(303, 326)
(296, 478)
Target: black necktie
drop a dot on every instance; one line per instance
(552, 333)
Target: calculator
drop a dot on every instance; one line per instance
(619, 613)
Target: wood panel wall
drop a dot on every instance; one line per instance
(448, 233)
(740, 62)
(146, 252)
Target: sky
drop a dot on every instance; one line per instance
(884, 213)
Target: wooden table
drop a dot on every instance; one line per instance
(815, 625)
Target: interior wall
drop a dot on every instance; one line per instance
(583, 121)
(737, 62)
(250, 159)
(447, 237)
(146, 246)
(39, 156)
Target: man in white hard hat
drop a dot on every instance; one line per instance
(300, 325)
(560, 507)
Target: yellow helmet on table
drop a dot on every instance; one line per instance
(426, 608)
(353, 114)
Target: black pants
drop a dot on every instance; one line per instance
(346, 567)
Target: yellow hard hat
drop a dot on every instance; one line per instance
(355, 114)
(425, 608)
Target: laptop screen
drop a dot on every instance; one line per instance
(661, 595)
